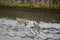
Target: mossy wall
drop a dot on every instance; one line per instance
(30, 6)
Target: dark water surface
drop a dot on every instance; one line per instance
(43, 24)
(33, 14)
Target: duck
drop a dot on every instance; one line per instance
(22, 21)
(26, 22)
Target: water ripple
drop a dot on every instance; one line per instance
(41, 31)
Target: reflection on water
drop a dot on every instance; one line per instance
(11, 30)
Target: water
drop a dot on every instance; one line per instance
(40, 31)
(42, 25)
